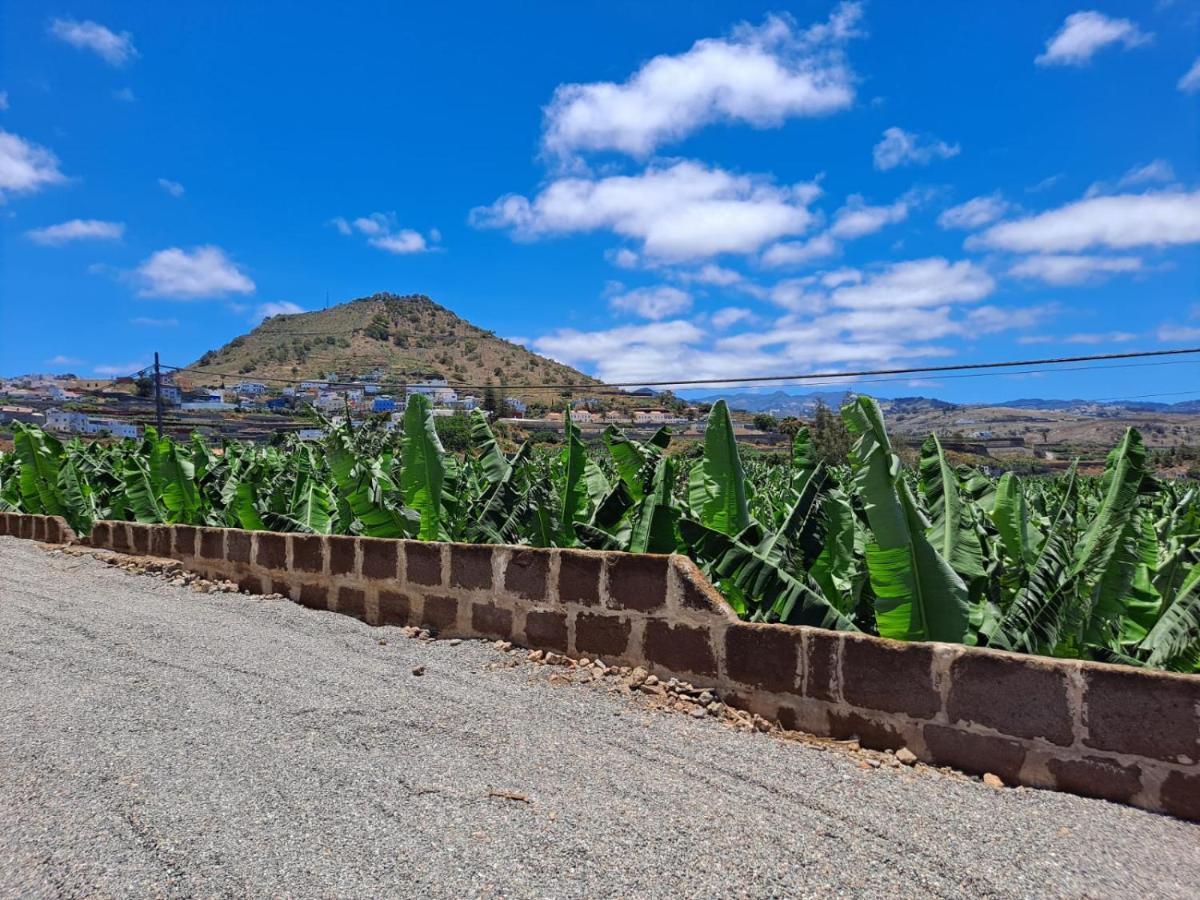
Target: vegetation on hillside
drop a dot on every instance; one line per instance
(1096, 568)
(404, 338)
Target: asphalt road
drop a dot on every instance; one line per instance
(159, 742)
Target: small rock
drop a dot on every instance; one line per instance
(699, 712)
(992, 780)
(706, 698)
(651, 680)
(584, 661)
(535, 656)
(382, 642)
(418, 670)
(454, 642)
(715, 709)
(906, 756)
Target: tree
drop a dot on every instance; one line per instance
(766, 422)
(830, 437)
(491, 401)
(454, 432)
(790, 425)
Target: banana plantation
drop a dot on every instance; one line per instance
(1084, 567)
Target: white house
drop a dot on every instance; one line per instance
(115, 427)
(251, 388)
(66, 420)
(435, 389)
(650, 416)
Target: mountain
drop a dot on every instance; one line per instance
(403, 338)
(779, 403)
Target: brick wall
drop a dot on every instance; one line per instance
(1123, 734)
(48, 529)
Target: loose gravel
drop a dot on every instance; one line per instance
(159, 741)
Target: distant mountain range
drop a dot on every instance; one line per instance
(782, 403)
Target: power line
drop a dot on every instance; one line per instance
(828, 377)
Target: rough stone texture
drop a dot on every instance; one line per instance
(471, 567)
(186, 538)
(975, 753)
(424, 563)
(763, 656)
(308, 553)
(120, 535)
(1096, 777)
(695, 591)
(1019, 696)
(351, 602)
(140, 538)
(491, 620)
(680, 648)
(547, 629)
(579, 577)
(889, 676)
(440, 613)
(237, 546)
(394, 608)
(212, 543)
(1181, 795)
(820, 664)
(341, 555)
(872, 731)
(314, 596)
(525, 574)
(637, 581)
(601, 635)
(379, 558)
(1142, 713)
(270, 551)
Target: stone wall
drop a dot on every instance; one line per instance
(48, 529)
(1114, 732)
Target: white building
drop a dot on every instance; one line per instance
(310, 434)
(435, 389)
(251, 388)
(66, 421)
(650, 416)
(115, 427)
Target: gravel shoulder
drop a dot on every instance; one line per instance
(155, 741)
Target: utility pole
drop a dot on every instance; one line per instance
(157, 395)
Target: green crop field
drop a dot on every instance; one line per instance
(1093, 568)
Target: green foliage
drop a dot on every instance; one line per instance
(1092, 568)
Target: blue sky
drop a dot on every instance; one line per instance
(644, 191)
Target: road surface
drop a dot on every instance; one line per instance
(159, 742)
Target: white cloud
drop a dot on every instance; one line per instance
(174, 188)
(404, 241)
(115, 49)
(1189, 83)
(797, 253)
(148, 322)
(857, 219)
(652, 302)
(76, 230)
(730, 315)
(25, 167)
(1107, 337)
(64, 361)
(901, 148)
(975, 213)
(190, 274)
(1177, 334)
(276, 308)
(1083, 33)
(842, 318)
(120, 370)
(1122, 221)
(760, 76)
(381, 231)
(681, 211)
(1064, 268)
(1155, 171)
(913, 283)
(625, 258)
